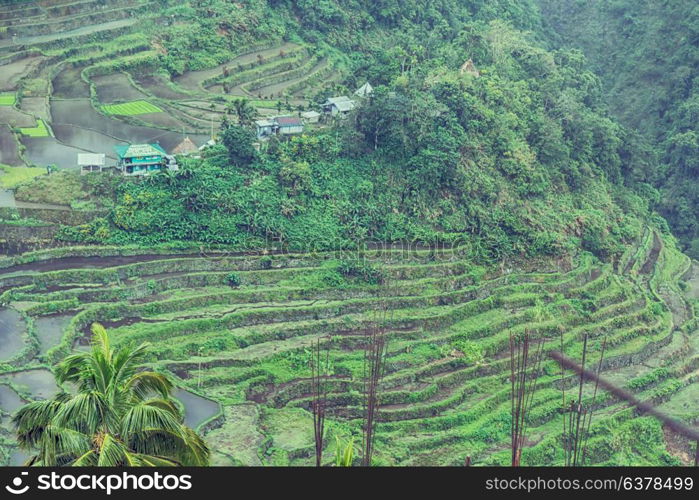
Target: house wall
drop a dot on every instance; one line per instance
(291, 130)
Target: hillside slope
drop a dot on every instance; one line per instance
(647, 54)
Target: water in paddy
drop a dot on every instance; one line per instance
(18, 457)
(38, 383)
(49, 330)
(48, 151)
(11, 333)
(9, 399)
(197, 409)
(85, 121)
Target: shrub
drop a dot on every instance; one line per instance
(360, 271)
(233, 279)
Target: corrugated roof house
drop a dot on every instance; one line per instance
(340, 105)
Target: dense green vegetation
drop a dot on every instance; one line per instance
(647, 54)
(120, 416)
(520, 195)
(434, 155)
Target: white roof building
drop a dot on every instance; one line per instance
(338, 105)
(91, 160)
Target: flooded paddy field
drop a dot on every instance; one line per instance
(116, 87)
(12, 73)
(197, 409)
(49, 330)
(85, 139)
(10, 401)
(36, 106)
(9, 153)
(49, 151)
(12, 333)
(79, 112)
(38, 383)
(158, 86)
(68, 84)
(16, 118)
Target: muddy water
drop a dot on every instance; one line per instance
(9, 399)
(197, 409)
(42, 151)
(79, 113)
(11, 332)
(68, 84)
(18, 457)
(88, 140)
(9, 154)
(38, 383)
(49, 330)
(94, 262)
(116, 87)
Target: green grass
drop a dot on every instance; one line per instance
(39, 131)
(11, 177)
(62, 188)
(131, 108)
(7, 99)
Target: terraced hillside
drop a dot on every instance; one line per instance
(236, 330)
(67, 64)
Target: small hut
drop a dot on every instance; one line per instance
(310, 116)
(468, 68)
(186, 147)
(364, 91)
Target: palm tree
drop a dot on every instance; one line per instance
(244, 111)
(119, 416)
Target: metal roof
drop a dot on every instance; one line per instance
(288, 121)
(137, 150)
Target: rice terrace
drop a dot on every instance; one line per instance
(339, 235)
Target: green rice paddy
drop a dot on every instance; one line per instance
(445, 395)
(39, 131)
(7, 99)
(131, 108)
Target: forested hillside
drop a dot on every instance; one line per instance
(501, 185)
(647, 54)
(519, 160)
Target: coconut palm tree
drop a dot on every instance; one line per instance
(244, 111)
(118, 416)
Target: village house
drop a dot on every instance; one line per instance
(288, 125)
(265, 128)
(90, 162)
(310, 116)
(279, 125)
(141, 159)
(338, 106)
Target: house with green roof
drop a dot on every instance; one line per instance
(140, 159)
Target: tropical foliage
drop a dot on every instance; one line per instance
(117, 415)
